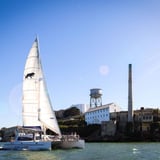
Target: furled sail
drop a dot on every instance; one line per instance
(37, 108)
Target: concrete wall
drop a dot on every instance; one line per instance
(108, 128)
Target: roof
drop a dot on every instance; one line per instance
(100, 107)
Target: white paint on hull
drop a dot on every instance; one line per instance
(27, 145)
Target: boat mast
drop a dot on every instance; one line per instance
(38, 80)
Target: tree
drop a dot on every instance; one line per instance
(72, 111)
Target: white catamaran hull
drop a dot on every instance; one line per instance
(27, 145)
(68, 142)
(72, 144)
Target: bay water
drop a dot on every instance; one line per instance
(92, 151)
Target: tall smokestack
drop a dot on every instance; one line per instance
(130, 109)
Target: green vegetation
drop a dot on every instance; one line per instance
(77, 124)
(72, 111)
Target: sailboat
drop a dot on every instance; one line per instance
(37, 111)
(37, 107)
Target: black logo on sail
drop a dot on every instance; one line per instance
(30, 75)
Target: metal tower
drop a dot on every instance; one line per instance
(95, 97)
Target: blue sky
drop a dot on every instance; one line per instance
(84, 44)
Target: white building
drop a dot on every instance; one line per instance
(97, 115)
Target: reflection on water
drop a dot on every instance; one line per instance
(92, 151)
(27, 155)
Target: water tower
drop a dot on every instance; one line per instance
(95, 97)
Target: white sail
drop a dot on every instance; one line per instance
(37, 109)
